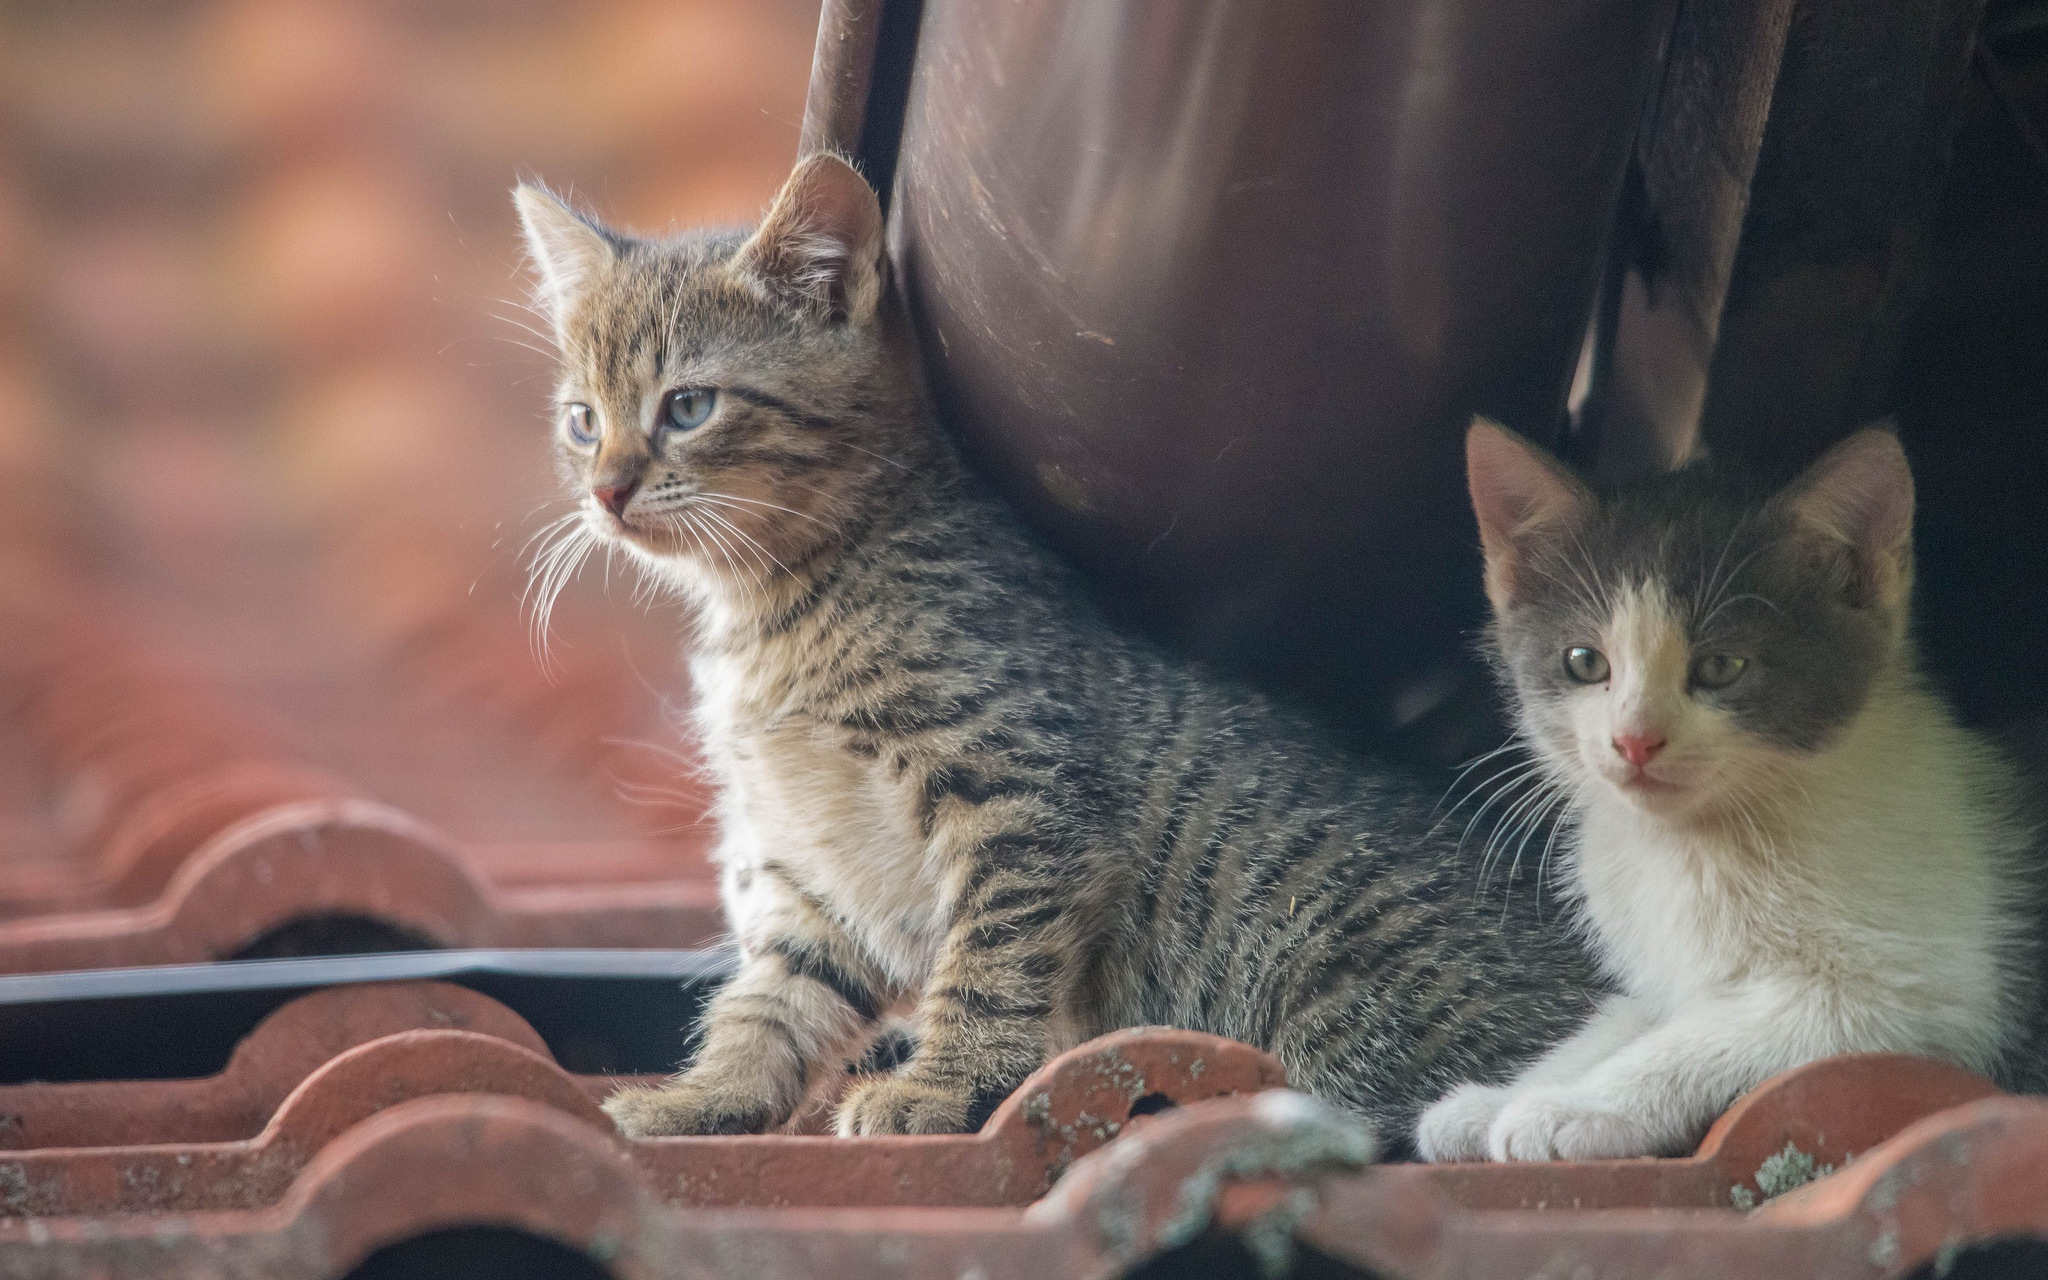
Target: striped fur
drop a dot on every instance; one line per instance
(948, 789)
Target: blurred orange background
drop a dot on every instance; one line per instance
(268, 392)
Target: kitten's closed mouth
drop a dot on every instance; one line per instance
(614, 525)
(1646, 784)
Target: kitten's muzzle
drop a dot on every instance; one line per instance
(1638, 748)
(613, 498)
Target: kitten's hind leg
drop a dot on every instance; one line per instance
(804, 992)
(987, 1017)
(1456, 1126)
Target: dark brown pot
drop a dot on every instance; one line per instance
(1212, 288)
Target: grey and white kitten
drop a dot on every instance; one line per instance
(946, 786)
(1782, 843)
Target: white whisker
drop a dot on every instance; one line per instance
(878, 457)
(1506, 790)
(1511, 744)
(1514, 821)
(521, 342)
(568, 541)
(727, 498)
(545, 335)
(748, 540)
(739, 540)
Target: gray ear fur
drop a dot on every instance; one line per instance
(569, 251)
(1521, 495)
(821, 244)
(1858, 499)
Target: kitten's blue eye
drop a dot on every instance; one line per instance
(1717, 670)
(1587, 666)
(685, 408)
(580, 421)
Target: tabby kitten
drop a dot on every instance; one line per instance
(1784, 845)
(945, 785)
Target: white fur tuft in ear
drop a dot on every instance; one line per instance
(821, 244)
(1859, 497)
(1522, 496)
(568, 250)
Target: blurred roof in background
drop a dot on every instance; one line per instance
(268, 378)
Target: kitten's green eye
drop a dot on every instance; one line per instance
(685, 408)
(580, 421)
(1717, 670)
(1587, 666)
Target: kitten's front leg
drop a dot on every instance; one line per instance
(985, 1021)
(1657, 1095)
(1456, 1126)
(804, 993)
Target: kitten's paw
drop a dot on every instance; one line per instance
(1539, 1124)
(1456, 1126)
(902, 1104)
(684, 1107)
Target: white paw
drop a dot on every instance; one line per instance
(1456, 1125)
(1542, 1124)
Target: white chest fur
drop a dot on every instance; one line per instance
(1878, 913)
(840, 825)
(1871, 897)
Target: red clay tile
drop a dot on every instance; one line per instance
(285, 1048)
(1272, 1168)
(349, 858)
(1073, 1105)
(1967, 1174)
(1972, 1172)
(449, 1161)
(1831, 1110)
(197, 836)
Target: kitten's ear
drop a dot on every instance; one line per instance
(1858, 500)
(568, 249)
(1523, 497)
(821, 243)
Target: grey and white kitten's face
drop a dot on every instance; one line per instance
(715, 388)
(1678, 646)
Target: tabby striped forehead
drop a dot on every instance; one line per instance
(666, 306)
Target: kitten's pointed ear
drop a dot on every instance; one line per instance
(568, 250)
(1858, 500)
(1523, 497)
(821, 244)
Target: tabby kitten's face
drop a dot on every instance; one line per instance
(715, 388)
(1678, 648)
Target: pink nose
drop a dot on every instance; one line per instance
(615, 497)
(1638, 748)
